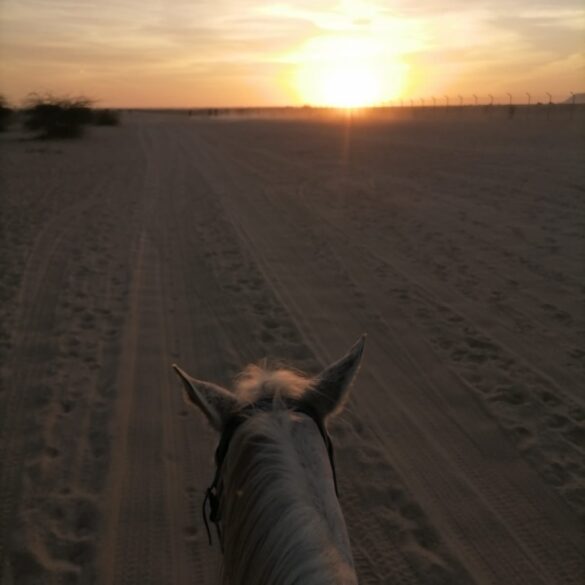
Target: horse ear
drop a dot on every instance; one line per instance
(216, 402)
(331, 386)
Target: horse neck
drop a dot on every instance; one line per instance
(281, 519)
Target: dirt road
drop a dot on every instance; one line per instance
(457, 246)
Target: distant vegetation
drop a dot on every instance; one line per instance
(106, 118)
(6, 114)
(54, 117)
(63, 117)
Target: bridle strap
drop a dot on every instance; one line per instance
(212, 494)
(305, 408)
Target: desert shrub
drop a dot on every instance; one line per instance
(6, 113)
(106, 118)
(53, 117)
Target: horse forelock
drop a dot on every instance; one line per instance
(257, 382)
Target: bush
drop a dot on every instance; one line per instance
(52, 117)
(106, 118)
(6, 113)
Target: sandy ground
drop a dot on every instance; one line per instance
(457, 242)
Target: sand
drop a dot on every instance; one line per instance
(456, 240)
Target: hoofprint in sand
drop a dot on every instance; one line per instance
(456, 240)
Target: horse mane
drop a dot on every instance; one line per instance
(278, 528)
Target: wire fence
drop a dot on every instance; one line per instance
(506, 99)
(546, 106)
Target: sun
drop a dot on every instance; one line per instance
(345, 86)
(347, 72)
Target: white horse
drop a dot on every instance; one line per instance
(274, 496)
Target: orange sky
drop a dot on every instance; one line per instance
(180, 53)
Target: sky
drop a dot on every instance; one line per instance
(222, 53)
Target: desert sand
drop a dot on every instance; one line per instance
(454, 239)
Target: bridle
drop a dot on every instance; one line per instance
(213, 493)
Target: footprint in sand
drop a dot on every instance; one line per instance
(509, 395)
(270, 323)
(266, 337)
(557, 421)
(576, 435)
(548, 398)
(577, 353)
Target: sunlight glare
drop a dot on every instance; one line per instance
(347, 72)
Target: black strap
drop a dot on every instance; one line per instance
(204, 510)
(306, 408)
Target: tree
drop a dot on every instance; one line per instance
(57, 117)
(6, 114)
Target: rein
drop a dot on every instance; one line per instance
(212, 494)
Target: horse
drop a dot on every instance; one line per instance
(274, 495)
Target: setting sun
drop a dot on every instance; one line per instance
(347, 72)
(344, 87)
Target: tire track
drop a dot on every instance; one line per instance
(30, 361)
